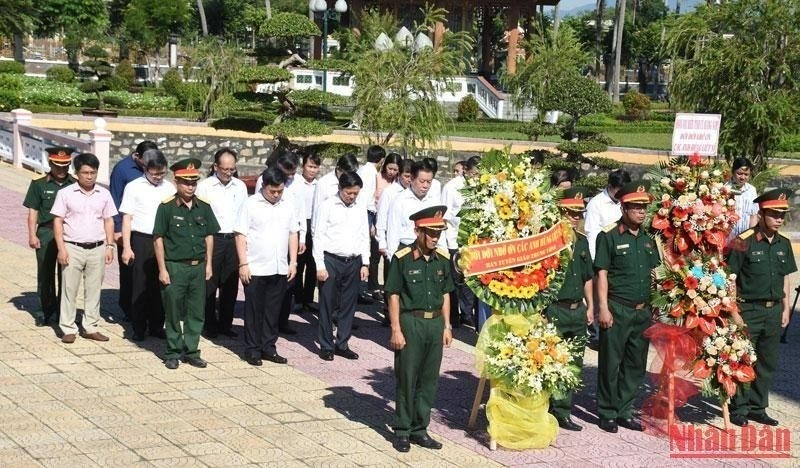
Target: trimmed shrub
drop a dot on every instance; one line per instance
(468, 109)
(43, 92)
(15, 68)
(297, 127)
(579, 148)
(607, 163)
(10, 82)
(242, 124)
(9, 100)
(126, 72)
(331, 150)
(171, 81)
(191, 96)
(636, 104)
(61, 74)
(592, 185)
(116, 83)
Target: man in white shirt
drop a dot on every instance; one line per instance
(369, 174)
(328, 185)
(341, 252)
(226, 194)
(745, 193)
(266, 244)
(306, 280)
(419, 195)
(139, 205)
(402, 182)
(462, 299)
(603, 209)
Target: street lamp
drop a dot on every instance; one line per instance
(321, 6)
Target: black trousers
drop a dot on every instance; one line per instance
(306, 272)
(337, 298)
(262, 298)
(374, 256)
(125, 284)
(225, 278)
(147, 313)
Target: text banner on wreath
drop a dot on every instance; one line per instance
(696, 133)
(486, 258)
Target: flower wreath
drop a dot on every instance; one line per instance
(509, 200)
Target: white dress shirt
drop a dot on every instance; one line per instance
(293, 193)
(436, 187)
(226, 200)
(745, 208)
(453, 199)
(389, 193)
(327, 186)
(140, 200)
(341, 230)
(601, 211)
(369, 177)
(307, 190)
(400, 229)
(267, 227)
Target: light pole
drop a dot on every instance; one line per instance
(321, 6)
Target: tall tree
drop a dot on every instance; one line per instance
(16, 20)
(742, 60)
(201, 10)
(78, 20)
(218, 66)
(598, 37)
(619, 27)
(149, 23)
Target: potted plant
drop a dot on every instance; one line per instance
(99, 70)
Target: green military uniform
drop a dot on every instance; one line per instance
(761, 266)
(184, 232)
(421, 285)
(40, 196)
(628, 260)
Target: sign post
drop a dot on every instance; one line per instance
(696, 133)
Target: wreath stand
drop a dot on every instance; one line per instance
(476, 403)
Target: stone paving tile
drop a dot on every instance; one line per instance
(178, 462)
(69, 461)
(161, 451)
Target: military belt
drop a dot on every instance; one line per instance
(764, 303)
(627, 303)
(87, 245)
(225, 235)
(344, 259)
(47, 224)
(569, 304)
(425, 314)
(188, 262)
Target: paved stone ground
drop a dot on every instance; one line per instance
(114, 403)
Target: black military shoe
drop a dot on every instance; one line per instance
(195, 362)
(608, 425)
(346, 353)
(401, 444)
(171, 363)
(566, 423)
(630, 424)
(326, 355)
(254, 361)
(276, 358)
(41, 321)
(739, 420)
(425, 441)
(761, 418)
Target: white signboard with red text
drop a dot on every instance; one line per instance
(696, 133)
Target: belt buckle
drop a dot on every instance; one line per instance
(427, 315)
(574, 305)
(194, 262)
(639, 306)
(769, 303)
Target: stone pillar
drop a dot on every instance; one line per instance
(100, 140)
(21, 117)
(512, 28)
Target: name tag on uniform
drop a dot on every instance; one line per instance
(440, 272)
(648, 245)
(179, 218)
(757, 252)
(414, 272)
(780, 253)
(623, 246)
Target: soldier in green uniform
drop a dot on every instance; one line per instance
(762, 260)
(418, 288)
(183, 242)
(624, 259)
(39, 200)
(573, 310)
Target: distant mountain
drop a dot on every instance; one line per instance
(579, 7)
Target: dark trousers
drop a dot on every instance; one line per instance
(262, 297)
(184, 298)
(337, 298)
(764, 326)
(306, 272)
(570, 324)
(622, 361)
(125, 285)
(374, 255)
(462, 300)
(416, 370)
(225, 278)
(147, 313)
(47, 273)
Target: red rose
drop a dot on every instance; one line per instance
(668, 285)
(695, 160)
(666, 204)
(680, 185)
(690, 282)
(679, 213)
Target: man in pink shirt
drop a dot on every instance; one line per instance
(84, 233)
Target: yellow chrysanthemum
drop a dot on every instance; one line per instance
(536, 197)
(505, 212)
(519, 171)
(524, 207)
(501, 201)
(485, 178)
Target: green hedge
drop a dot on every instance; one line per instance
(297, 127)
(42, 92)
(9, 82)
(142, 101)
(61, 74)
(8, 66)
(9, 100)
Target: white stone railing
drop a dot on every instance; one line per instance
(23, 145)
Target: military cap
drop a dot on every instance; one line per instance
(59, 155)
(777, 199)
(634, 192)
(430, 218)
(573, 200)
(188, 169)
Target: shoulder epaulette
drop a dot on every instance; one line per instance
(610, 227)
(746, 234)
(168, 199)
(580, 234)
(402, 252)
(444, 253)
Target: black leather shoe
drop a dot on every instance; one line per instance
(171, 363)
(566, 423)
(195, 362)
(630, 424)
(401, 444)
(761, 418)
(425, 441)
(229, 333)
(346, 353)
(326, 355)
(276, 358)
(287, 330)
(210, 335)
(739, 420)
(254, 361)
(160, 333)
(608, 425)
